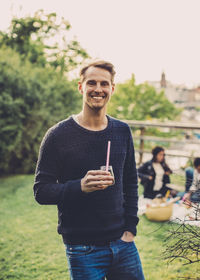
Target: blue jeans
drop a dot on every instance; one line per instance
(119, 260)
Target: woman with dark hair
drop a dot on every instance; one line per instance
(154, 174)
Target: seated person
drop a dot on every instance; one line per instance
(189, 174)
(193, 193)
(154, 174)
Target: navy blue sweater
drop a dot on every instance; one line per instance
(67, 152)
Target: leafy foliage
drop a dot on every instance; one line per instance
(35, 58)
(32, 99)
(37, 37)
(140, 102)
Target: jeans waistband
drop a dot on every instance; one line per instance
(101, 243)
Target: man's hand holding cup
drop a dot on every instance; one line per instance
(96, 180)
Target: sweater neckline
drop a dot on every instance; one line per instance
(78, 126)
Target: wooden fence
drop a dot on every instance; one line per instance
(142, 125)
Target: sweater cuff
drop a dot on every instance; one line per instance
(130, 224)
(74, 188)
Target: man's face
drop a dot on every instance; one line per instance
(96, 88)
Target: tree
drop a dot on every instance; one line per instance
(140, 102)
(32, 98)
(36, 38)
(34, 90)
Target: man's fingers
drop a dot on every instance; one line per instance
(92, 178)
(98, 172)
(99, 183)
(96, 180)
(103, 187)
(98, 188)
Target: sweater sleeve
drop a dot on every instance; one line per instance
(46, 188)
(130, 187)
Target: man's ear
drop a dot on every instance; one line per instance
(113, 88)
(80, 87)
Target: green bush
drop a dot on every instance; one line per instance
(32, 98)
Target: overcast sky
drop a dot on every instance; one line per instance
(144, 37)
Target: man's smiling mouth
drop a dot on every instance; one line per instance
(97, 97)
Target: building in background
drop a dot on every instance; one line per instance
(181, 96)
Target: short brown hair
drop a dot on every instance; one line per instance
(99, 64)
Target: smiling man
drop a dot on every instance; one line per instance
(97, 213)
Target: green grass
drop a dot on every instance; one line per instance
(30, 247)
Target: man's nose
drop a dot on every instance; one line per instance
(98, 88)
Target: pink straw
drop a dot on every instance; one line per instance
(108, 156)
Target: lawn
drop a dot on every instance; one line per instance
(30, 247)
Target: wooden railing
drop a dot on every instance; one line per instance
(142, 125)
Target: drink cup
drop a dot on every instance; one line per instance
(110, 169)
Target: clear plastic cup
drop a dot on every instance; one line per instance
(110, 169)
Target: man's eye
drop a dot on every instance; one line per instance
(105, 84)
(91, 83)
